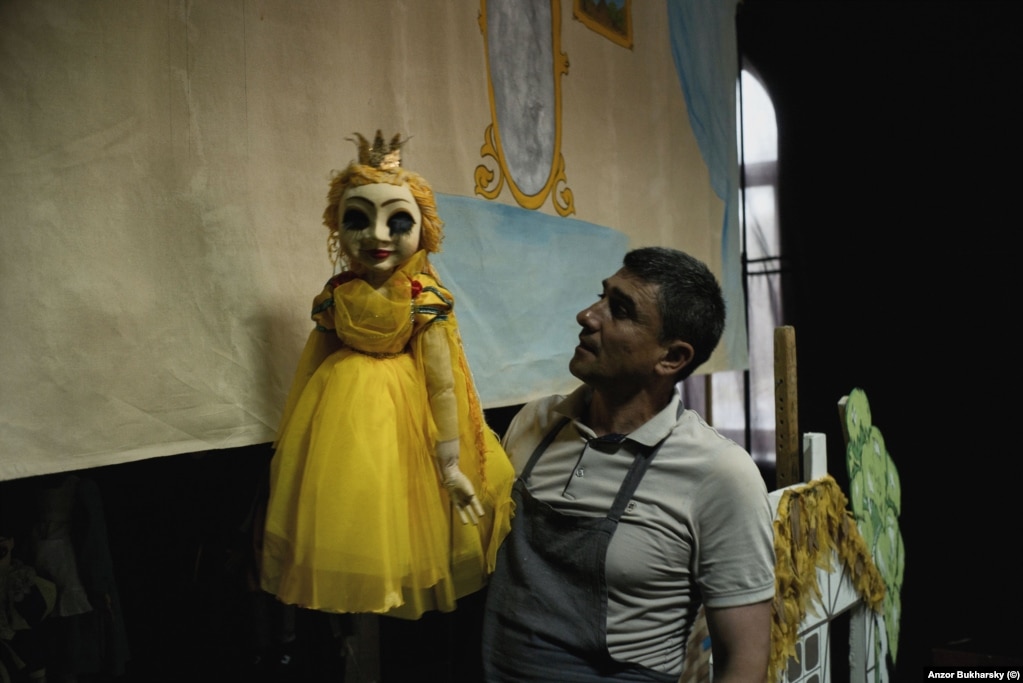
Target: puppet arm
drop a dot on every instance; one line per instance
(440, 385)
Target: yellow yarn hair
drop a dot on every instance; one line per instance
(812, 522)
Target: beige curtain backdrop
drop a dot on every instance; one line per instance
(165, 164)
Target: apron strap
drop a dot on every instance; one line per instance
(631, 482)
(541, 447)
(639, 467)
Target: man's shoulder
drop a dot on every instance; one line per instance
(692, 427)
(719, 453)
(534, 421)
(539, 414)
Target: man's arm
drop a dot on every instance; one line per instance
(740, 639)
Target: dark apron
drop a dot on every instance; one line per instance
(554, 582)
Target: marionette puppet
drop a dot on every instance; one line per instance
(388, 492)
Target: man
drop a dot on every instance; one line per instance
(630, 510)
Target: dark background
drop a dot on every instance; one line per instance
(899, 161)
(899, 153)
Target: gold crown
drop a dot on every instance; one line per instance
(380, 155)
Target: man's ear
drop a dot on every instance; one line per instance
(677, 355)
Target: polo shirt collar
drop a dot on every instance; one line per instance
(649, 434)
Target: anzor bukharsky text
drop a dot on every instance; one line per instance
(974, 674)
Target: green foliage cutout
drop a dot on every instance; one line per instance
(875, 494)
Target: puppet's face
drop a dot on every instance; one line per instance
(379, 226)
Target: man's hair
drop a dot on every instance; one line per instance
(689, 299)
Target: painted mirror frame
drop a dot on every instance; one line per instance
(524, 68)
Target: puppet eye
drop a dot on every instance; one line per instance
(354, 219)
(401, 223)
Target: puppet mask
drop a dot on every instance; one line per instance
(380, 226)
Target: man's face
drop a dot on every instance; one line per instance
(619, 343)
(380, 227)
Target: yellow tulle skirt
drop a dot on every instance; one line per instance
(357, 520)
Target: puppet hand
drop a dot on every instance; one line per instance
(458, 485)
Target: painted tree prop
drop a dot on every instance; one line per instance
(875, 494)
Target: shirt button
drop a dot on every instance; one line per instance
(579, 471)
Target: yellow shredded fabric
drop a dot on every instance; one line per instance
(813, 521)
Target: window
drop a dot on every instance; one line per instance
(741, 404)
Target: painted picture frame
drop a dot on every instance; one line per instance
(524, 137)
(610, 18)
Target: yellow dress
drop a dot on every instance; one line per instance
(357, 519)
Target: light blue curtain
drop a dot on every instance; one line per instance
(519, 277)
(705, 50)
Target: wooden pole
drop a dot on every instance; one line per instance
(786, 408)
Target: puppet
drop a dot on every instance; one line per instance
(388, 491)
